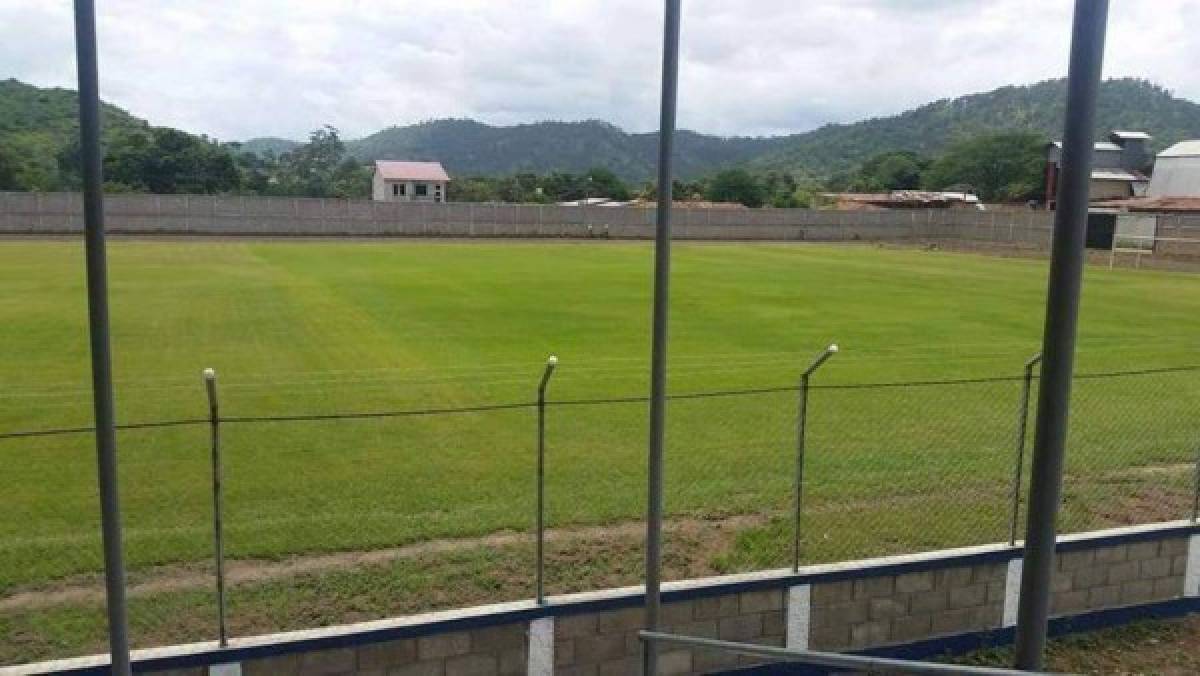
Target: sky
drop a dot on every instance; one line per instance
(237, 69)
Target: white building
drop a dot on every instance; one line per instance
(409, 182)
(1177, 171)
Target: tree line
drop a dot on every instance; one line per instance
(997, 167)
(1003, 167)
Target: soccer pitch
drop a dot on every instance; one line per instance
(321, 327)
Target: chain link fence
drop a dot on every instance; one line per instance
(422, 509)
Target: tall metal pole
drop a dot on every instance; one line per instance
(801, 428)
(97, 287)
(1058, 342)
(214, 419)
(1022, 427)
(541, 479)
(658, 356)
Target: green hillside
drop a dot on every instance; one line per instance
(269, 145)
(470, 147)
(37, 125)
(1127, 103)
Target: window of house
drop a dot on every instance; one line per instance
(422, 190)
(395, 188)
(403, 189)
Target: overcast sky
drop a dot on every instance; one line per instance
(235, 69)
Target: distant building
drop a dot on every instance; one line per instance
(1177, 171)
(1117, 166)
(409, 182)
(903, 199)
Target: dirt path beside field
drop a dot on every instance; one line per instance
(192, 576)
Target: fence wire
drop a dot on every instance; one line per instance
(343, 516)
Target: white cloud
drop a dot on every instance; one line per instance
(235, 69)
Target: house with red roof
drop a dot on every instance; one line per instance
(397, 181)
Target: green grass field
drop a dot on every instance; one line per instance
(323, 327)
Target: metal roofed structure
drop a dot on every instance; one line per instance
(1177, 171)
(1116, 168)
(395, 170)
(1137, 135)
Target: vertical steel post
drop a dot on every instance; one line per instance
(97, 286)
(541, 479)
(801, 426)
(658, 350)
(214, 419)
(1058, 342)
(1022, 426)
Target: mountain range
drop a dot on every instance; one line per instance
(33, 118)
(467, 147)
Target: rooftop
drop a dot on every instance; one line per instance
(393, 170)
(1159, 204)
(1100, 145)
(1182, 149)
(1107, 174)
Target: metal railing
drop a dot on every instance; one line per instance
(866, 663)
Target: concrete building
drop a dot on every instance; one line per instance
(409, 182)
(1117, 166)
(1177, 171)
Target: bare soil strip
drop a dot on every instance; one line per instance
(192, 576)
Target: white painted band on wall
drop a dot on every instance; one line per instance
(1191, 575)
(1012, 591)
(541, 647)
(798, 613)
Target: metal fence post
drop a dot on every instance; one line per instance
(801, 424)
(1022, 425)
(214, 418)
(541, 479)
(658, 340)
(96, 264)
(1067, 256)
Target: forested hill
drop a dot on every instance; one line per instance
(1127, 103)
(37, 126)
(467, 147)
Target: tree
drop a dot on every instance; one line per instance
(350, 179)
(8, 170)
(604, 183)
(472, 189)
(164, 160)
(895, 170)
(736, 185)
(309, 169)
(780, 190)
(999, 167)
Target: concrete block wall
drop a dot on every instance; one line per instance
(868, 612)
(930, 599)
(1119, 575)
(61, 213)
(607, 643)
(489, 651)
